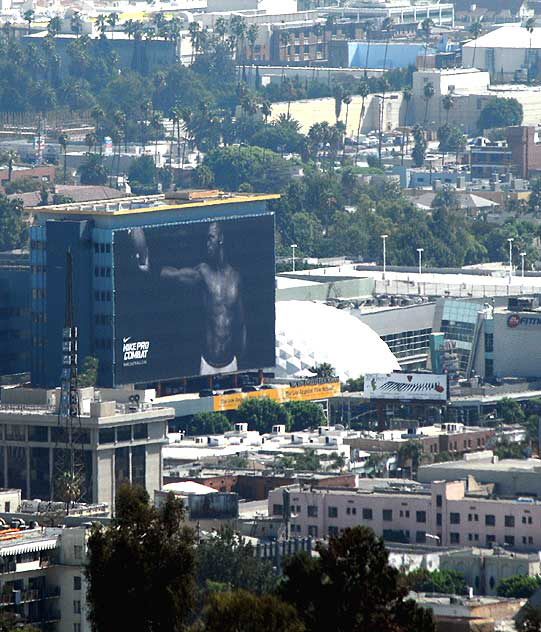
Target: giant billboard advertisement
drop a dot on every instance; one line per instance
(406, 386)
(194, 299)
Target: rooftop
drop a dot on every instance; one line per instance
(506, 465)
(17, 541)
(508, 36)
(149, 203)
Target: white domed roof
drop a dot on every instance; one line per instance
(309, 333)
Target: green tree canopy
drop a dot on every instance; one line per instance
(519, 586)
(243, 611)
(439, 581)
(140, 570)
(207, 423)
(13, 231)
(261, 168)
(92, 170)
(262, 413)
(305, 415)
(143, 175)
(351, 588)
(499, 112)
(89, 372)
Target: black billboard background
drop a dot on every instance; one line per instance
(170, 315)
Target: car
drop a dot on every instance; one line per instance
(249, 389)
(206, 392)
(231, 391)
(266, 387)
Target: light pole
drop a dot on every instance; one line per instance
(420, 251)
(522, 255)
(293, 246)
(384, 237)
(510, 240)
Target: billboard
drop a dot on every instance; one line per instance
(406, 386)
(194, 299)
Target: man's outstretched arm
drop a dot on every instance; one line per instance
(188, 276)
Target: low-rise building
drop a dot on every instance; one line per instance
(443, 512)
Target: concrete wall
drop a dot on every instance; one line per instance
(354, 288)
(517, 351)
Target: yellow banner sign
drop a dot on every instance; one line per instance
(304, 392)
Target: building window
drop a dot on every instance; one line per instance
(489, 343)
(76, 607)
(367, 514)
(312, 511)
(420, 537)
(454, 518)
(333, 512)
(490, 520)
(77, 582)
(333, 531)
(277, 510)
(509, 521)
(420, 516)
(509, 540)
(454, 538)
(312, 530)
(76, 627)
(78, 552)
(491, 538)
(438, 519)
(387, 515)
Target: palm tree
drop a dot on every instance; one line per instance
(475, 30)
(112, 21)
(364, 91)
(237, 28)
(28, 16)
(324, 369)
(530, 26)
(54, 26)
(384, 87)
(193, 30)
(407, 96)
(338, 94)
(101, 24)
(368, 27)
(346, 100)
(253, 32)
(76, 23)
(448, 101)
(91, 140)
(284, 41)
(266, 110)
(220, 27)
(426, 29)
(428, 93)
(11, 156)
(411, 452)
(387, 26)
(63, 142)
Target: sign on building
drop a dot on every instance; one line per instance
(406, 386)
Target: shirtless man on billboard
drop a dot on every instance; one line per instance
(225, 328)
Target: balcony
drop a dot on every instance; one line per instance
(16, 597)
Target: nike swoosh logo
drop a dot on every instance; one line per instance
(125, 340)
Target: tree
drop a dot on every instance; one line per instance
(510, 411)
(207, 423)
(28, 16)
(519, 586)
(305, 415)
(225, 558)
(529, 25)
(419, 149)
(338, 94)
(407, 96)
(475, 29)
(351, 588)
(143, 175)
(262, 413)
(141, 568)
(262, 169)
(439, 581)
(448, 103)
(13, 230)
(92, 170)
(499, 112)
(241, 610)
(54, 25)
(426, 29)
(387, 27)
(428, 93)
(63, 142)
(323, 369)
(410, 452)
(368, 27)
(89, 372)
(364, 91)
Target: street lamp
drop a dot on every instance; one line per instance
(293, 246)
(420, 251)
(510, 240)
(522, 255)
(384, 237)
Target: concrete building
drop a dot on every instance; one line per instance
(509, 53)
(42, 577)
(519, 154)
(510, 477)
(484, 569)
(443, 512)
(471, 89)
(122, 441)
